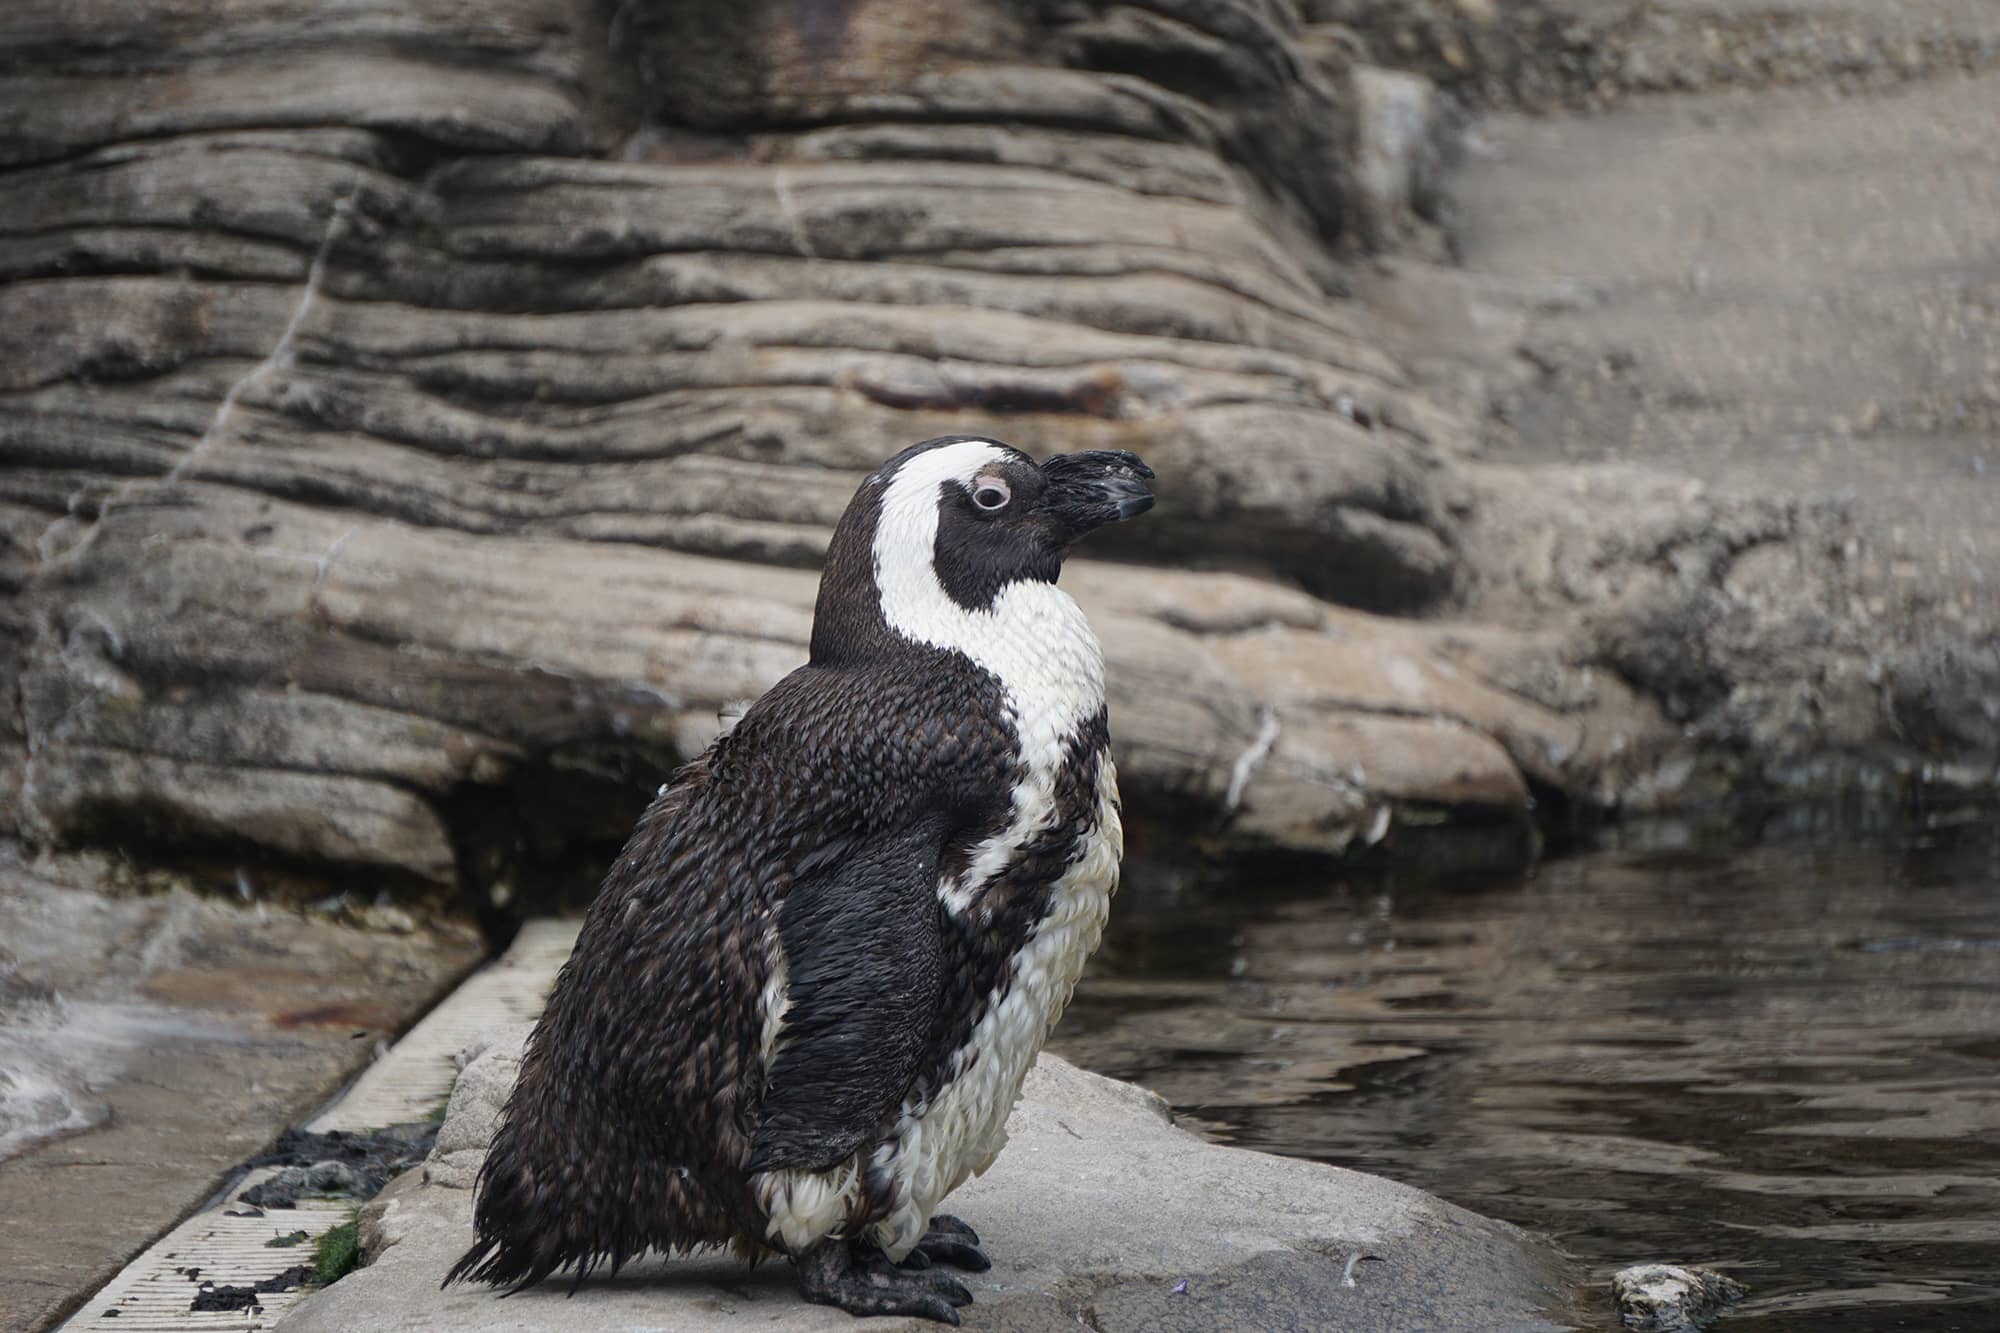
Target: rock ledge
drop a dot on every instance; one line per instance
(1101, 1213)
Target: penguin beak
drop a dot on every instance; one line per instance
(1099, 486)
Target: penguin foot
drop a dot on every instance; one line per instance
(950, 1241)
(862, 1280)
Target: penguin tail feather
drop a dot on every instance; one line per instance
(585, 1198)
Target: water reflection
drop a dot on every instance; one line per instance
(1780, 1061)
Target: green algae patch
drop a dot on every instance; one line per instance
(337, 1253)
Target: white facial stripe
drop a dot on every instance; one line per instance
(914, 602)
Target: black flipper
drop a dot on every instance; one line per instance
(863, 966)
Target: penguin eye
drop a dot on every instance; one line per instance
(991, 493)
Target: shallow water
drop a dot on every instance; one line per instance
(1780, 1061)
(56, 1054)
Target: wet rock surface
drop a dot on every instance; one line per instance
(172, 1038)
(1669, 1297)
(1100, 1211)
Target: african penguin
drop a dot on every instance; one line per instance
(803, 1003)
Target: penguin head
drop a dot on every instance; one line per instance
(946, 526)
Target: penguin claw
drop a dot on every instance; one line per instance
(950, 1241)
(951, 1226)
(861, 1280)
(945, 1287)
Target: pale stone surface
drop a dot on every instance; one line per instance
(1396, 159)
(1777, 299)
(1096, 1211)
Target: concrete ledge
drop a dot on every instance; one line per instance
(1100, 1213)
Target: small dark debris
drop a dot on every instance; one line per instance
(328, 1015)
(243, 1212)
(222, 1299)
(112, 1313)
(340, 1162)
(321, 1178)
(212, 1299)
(192, 1272)
(286, 1241)
(1347, 406)
(289, 1280)
(376, 1149)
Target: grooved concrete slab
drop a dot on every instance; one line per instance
(155, 1293)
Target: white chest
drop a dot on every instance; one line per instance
(1051, 673)
(936, 1147)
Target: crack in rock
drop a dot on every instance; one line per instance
(1252, 758)
(282, 356)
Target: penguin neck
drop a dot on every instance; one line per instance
(1035, 644)
(880, 598)
(1033, 640)
(1026, 632)
(849, 628)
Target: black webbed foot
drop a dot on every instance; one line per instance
(861, 1280)
(950, 1241)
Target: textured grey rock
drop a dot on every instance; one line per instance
(392, 438)
(1809, 574)
(355, 471)
(487, 1069)
(1099, 1210)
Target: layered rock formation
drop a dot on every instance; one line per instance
(417, 421)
